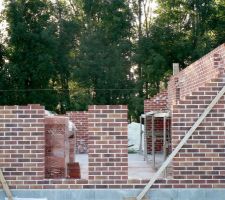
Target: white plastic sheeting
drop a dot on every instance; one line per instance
(72, 126)
(134, 136)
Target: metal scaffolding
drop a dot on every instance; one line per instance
(164, 115)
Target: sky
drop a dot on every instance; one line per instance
(3, 25)
(1, 2)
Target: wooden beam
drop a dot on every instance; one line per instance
(182, 142)
(5, 186)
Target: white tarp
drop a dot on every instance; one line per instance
(72, 126)
(134, 136)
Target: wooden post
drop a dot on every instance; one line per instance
(5, 186)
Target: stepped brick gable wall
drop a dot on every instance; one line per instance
(195, 75)
(80, 119)
(156, 103)
(201, 162)
(108, 143)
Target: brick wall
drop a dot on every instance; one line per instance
(201, 162)
(195, 75)
(156, 103)
(158, 130)
(108, 143)
(22, 154)
(80, 119)
(22, 150)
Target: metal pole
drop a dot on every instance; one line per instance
(153, 142)
(141, 133)
(164, 141)
(164, 137)
(145, 140)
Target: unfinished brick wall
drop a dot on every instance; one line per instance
(80, 119)
(156, 103)
(108, 143)
(22, 150)
(201, 162)
(195, 75)
(22, 153)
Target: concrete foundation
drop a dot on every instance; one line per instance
(119, 194)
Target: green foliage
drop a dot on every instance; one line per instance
(80, 97)
(66, 41)
(31, 45)
(103, 62)
(69, 54)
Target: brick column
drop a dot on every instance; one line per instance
(22, 143)
(108, 142)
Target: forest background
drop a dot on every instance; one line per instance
(68, 54)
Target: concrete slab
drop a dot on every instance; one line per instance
(138, 168)
(83, 161)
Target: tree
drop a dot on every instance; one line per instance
(104, 61)
(218, 23)
(31, 45)
(66, 38)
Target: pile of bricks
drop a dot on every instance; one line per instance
(59, 146)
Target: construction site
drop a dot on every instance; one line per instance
(84, 155)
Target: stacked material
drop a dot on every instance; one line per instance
(59, 148)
